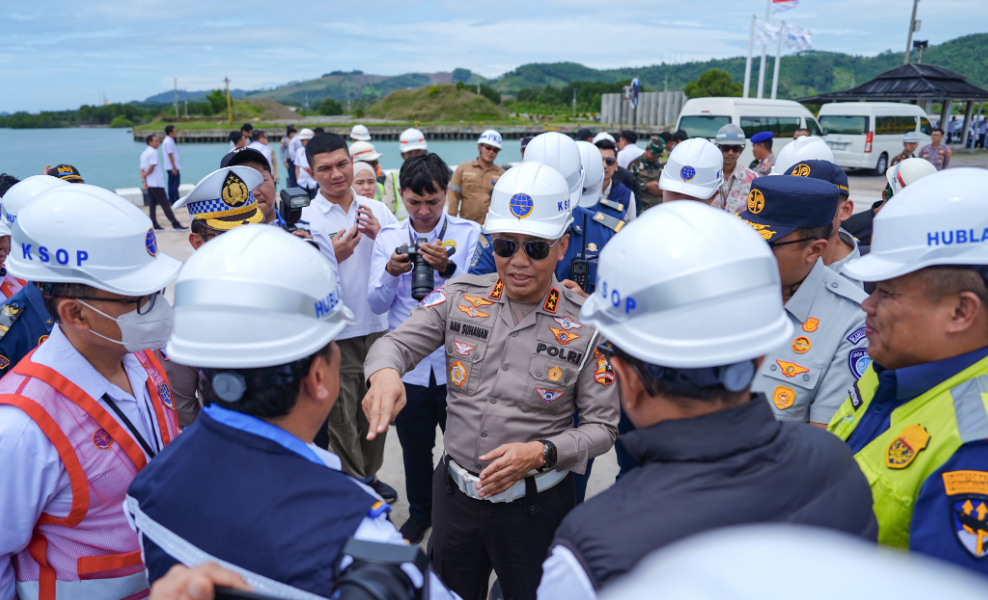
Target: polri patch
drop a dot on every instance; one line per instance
(569, 355)
(548, 395)
(458, 374)
(436, 296)
(858, 361)
(604, 375)
(562, 336)
(857, 335)
(551, 301)
(472, 312)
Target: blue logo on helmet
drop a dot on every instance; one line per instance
(521, 205)
(151, 243)
(687, 173)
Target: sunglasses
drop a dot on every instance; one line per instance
(734, 149)
(535, 250)
(491, 148)
(610, 162)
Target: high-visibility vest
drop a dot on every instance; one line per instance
(924, 433)
(399, 208)
(92, 552)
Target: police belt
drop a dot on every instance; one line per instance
(467, 483)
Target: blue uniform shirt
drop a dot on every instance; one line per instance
(619, 195)
(932, 530)
(587, 239)
(24, 323)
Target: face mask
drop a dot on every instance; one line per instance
(141, 332)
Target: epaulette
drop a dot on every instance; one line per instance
(608, 221)
(844, 287)
(378, 508)
(612, 205)
(9, 313)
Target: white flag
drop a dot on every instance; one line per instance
(766, 33)
(783, 5)
(798, 38)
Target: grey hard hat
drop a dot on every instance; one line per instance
(910, 138)
(730, 135)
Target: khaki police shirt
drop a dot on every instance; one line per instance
(938, 156)
(469, 194)
(807, 378)
(509, 383)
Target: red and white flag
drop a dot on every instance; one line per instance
(783, 5)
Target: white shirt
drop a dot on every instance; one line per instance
(263, 149)
(628, 154)
(293, 145)
(563, 578)
(302, 162)
(170, 147)
(33, 479)
(326, 219)
(150, 157)
(393, 295)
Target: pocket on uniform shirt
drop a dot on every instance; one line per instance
(551, 384)
(464, 357)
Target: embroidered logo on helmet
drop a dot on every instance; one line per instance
(687, 173)
(151, 243)
(521, 205)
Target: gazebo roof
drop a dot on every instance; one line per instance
(910, 82)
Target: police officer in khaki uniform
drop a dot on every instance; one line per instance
(520, 365)
(470, 188)
(936, 151)
(807, 378)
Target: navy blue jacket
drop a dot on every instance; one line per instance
(25, 324)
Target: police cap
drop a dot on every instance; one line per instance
(760, 137)
(778, 206)
(822, 169)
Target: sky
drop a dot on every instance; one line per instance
(61, 54)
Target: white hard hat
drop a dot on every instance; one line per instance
(531, 199)
(603, 135)
(908, 171)
(84, 234)
(730, 135)
(255, 297)
(491, 138)
(708, 296)
(364, 151)
(800, 150)
(412, 139)
(306, 134)
(910, 138)
(360, 133)
(560, 152)
(941, 219)
(695, 168)
(593, 168)
(21, 193)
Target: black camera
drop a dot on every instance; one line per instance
(293, 200)
(423, 275)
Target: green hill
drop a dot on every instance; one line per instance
(435, 103)
(360, 88)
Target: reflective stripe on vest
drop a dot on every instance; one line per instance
(953, 413)
(91, 553)
(190, 555)
(399, 208)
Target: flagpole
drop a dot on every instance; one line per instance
(761, 70)
(747, 64)
(778, 56)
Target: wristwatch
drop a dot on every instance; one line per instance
(549, 455)
(450, 269)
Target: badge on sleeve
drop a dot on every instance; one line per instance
(969, 515)
(858, 361)
(458, 374)
(857, 335)
(783, 397)
(436, 296)
(902, 451)
(548, 395)
(604, 375)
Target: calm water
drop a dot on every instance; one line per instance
(110, 158)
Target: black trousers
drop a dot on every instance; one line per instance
(471, 536)
(416, 424)
(173, 182)
(158, 197)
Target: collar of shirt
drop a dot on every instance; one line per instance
(848, 239)
(799, 303)
(431, 236)
(59, 354)
(607, 190)
(913, 381)
(260, 428)
(326, 206)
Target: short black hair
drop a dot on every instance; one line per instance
(938, 129)
(767, 143)
(257, 134)
(693, 384)
(424, 174)
(584, 133)
(246, 127)
(666, 136)
(606, 145)
(7, 182)
(290, 129)
(319, 130)
(199, 227)
(809, 234)
(149, 137)
(271, 392)
(169, 129)
(53, 292)
(322, 143)
(680, 136)
(630, 136)
(236, 136)
(806, 129)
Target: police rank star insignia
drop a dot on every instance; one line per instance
(562, 336)
(477, 301)
(902, 451)
(458, 374)
(968, 491)
(496, 292)
(235, 191)
(472, 312)
(551, 301)
(548, 395)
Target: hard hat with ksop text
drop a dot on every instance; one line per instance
(20, 194)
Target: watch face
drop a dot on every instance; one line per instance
(551, 456)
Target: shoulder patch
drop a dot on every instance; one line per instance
(612, 205)
(4, 362)
(378, 508)
(483, 241)
(608, 221)
(965, 482)
(843, 287)
(858, 361)
(855, 395)
(551, 301)
(857, 335)
(436, 296)
(497, 290)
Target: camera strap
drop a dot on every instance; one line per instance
(411, 231)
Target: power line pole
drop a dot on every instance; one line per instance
(229, 105)
(912, 28)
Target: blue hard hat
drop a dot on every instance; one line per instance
(822, 169)
(779, 205)
(760, 137)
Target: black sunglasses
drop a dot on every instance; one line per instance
(735, 149)
(491, 148)
(144, 303)
(534, 250)
(610, 161)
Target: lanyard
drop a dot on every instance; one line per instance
(412, 232)
(133, 430)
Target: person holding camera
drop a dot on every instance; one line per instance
(435, 245)
(520, 363)
(258, 312)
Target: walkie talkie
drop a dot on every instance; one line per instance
(579, 268)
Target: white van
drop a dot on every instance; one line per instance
(702, 117)
(867, 135)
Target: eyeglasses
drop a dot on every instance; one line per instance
(610, 162)
(774, 245)
(535, 250)
(144, 303)
(491, 148)
(734, 149)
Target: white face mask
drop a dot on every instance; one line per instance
(141, 332)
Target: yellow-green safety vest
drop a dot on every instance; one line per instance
(399, 208)
(924, 433)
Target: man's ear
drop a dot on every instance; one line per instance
(816, 249)
(70, 315)
(563, 245)
(966, 310)
(846, 209)
(196, 241)
(632, 388)
(316, 381)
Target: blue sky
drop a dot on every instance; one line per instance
(58, 54)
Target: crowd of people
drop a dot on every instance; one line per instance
(752, 351)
